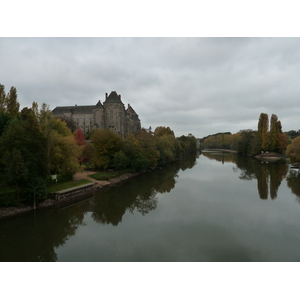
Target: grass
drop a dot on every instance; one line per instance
(66, 185)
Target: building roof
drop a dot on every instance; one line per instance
(132, 112)
(81, 109)
(113, 98)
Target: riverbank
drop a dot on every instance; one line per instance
(98, 184)
(222, 150)
(269, 157)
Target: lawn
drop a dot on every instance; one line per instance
(66, 185)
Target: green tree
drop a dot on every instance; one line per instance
(106, 144)
(148, 148)
(63, 155)
(62, 149)
(87, 155)
(12, 104)
(263, 126)
(293, 150)
(23, 153)
(2, 99)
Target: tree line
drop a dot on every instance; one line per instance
(268, 137)
(34, 145)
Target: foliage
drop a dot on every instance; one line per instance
(263, 126)
(23, 155)
(79, 137)
(106, 144)
(148, 154)
(87, 155)
(62, 149)
(249, 142)
(293, 150)
(11, 101)
(292, 134)
(217, 141)
(63, 153)
(34, 144)
(2, 99)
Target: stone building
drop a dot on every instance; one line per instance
(109, 115)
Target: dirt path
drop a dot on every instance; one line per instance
(85, 175)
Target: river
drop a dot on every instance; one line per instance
(209, 208)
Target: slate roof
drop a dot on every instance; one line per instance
(81, 109)
(132, 112)
(113, 98)
(76, 109)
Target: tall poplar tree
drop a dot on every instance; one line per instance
(263, 126)
(12, 104)
(273, 134)
(2, 98)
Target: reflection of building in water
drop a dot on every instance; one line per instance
(109, 115)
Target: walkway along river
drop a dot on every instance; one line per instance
(215, 207)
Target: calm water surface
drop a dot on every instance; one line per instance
(214, 207)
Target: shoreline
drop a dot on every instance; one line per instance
(10, 211)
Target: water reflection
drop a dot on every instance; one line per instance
(35, 235)
(219, 156)
(293, 182)
(268, 175)
(138, 194)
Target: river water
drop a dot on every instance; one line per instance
(213, 207)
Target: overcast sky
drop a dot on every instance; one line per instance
(193, 85)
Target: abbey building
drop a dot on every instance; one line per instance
(109, 115)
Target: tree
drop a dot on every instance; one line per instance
(161, 130)
(2, 99)
(263, 126)
(106, 144)
(79, 137)
(12, 104)
(293, 150)
(148, 148)
(80, 140)
(62, 149)
(23, 153)
(273, 134)
(63, 155)
(87, 155)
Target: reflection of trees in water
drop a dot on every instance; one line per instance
(137, 194)
(220, 156)
(268, 175)
(293, 182)
(33, 236)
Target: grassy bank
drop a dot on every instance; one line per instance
(66, 185)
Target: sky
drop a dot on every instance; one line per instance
(192, 85)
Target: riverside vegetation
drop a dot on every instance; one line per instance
(35, 145)
(267, 138)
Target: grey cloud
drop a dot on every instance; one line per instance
(194, 85)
